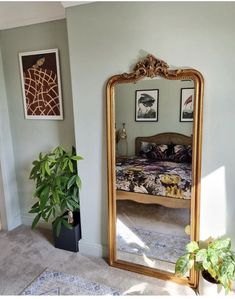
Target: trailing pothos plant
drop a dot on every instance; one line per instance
(57, 188)
(214, 258)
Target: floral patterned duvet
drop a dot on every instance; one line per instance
(162, 178)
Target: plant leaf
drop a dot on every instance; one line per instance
(45, 212)
(35, 205)
(38, 191)
(70, 166)
(44, 197)
(48, 215)
(214, 257)
(75, 204)
(79, 182)
(71, 181)
(66, 224)
(35, 162)
(65, 163)
(43, 169)
(198, 266)
(69, 205)
(206, 265)
(201, 255)
(33, 172)
(183, 264)
(77, 158)
(220, 244)
(55, 196)
(35, 221)
(212, 272)
(47, 168)
(35, 208)
(192, 246)
(63, 205)
(58, 227)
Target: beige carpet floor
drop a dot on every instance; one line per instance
(24, 254)
(154, 218)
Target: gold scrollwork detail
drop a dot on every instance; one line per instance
(151, 67)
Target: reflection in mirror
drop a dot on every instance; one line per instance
(154, 131)
(154, 127)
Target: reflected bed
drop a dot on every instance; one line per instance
(147, 180)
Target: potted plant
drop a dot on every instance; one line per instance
(57, 193)
(213, 258)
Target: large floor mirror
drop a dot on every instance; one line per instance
(154, 128)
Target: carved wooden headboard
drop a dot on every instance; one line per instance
(163, 138)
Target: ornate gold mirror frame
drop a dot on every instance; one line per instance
(152, 67)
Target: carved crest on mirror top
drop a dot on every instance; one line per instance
(151, 67)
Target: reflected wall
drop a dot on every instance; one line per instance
(151, 234)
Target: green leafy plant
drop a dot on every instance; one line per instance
(213, 256)
(57, 188)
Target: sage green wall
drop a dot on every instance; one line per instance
(109, 38)
(168, 112)
(9, 202)
(33, 136)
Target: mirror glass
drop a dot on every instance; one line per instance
(154, 133)
(154, 174)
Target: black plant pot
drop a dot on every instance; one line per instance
(68, 238)
(206, 275)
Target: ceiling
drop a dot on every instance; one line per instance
(16, 14)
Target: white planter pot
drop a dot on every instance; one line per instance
(207, 288)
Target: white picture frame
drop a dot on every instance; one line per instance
(41, 85)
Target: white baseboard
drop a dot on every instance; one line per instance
(85, 248)
(27, 219)
(14, 222)
(93, 249)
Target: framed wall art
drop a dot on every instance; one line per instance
(146, 105)
(41, 86)
(186, 104)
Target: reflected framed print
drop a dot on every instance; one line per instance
(186, 104)
(146, 105)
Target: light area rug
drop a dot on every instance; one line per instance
(58, 283)
(152, 244)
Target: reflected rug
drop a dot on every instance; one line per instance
(58, 283)
(152, 244)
